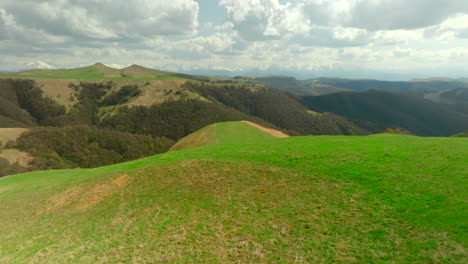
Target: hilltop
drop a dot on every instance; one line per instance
(227, 133)
(99, 71)
(248, 198)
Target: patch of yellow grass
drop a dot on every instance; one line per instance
(10, 134)
(15, 156)
(270, 131)
(85, 197)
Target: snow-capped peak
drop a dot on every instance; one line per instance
(39, 65)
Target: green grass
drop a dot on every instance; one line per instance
(249, 199)
(226, 133)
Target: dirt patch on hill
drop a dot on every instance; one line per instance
(62, 199)
(59, 90)
(270, 131)
(102, 191)
(10, 134)
(85, 197)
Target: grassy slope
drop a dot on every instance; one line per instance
(327, 199)
(96, 72)
(100, 71)
(222, 133)
(463, 134)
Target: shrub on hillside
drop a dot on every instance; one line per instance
(121, 96)
(31, 98)
(397, 131)
(83, 146)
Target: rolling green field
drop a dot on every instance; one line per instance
(100, 71)
(248, 197)
(85, 73)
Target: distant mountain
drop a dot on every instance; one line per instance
(442, 90)
(378, 110)
(39, 65)
(100, 71)
(463, 134)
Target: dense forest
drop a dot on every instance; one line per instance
(83, 146)
(173, 119)
(22, 104)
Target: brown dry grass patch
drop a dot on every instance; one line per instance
(101, 192)
(7, 134)
(84, 197)
(15, 156)
(270, 131)
(158, 91)
(59, 90)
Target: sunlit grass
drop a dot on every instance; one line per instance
(327, 199)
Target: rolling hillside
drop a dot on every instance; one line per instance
(227, 133)
(439, 90)
(463, 134)
(100, 71)
(250, 198)
(378, 110)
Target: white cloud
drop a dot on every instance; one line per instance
(402, 14)
(270, 36)
(451, 28)
(265, 19)
(104, 19)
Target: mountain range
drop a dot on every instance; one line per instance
(147, 106)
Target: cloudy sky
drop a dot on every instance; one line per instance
(384, 39)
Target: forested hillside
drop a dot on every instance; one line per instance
(378, 110)
(277, 107)
(22, 104)
(323, 86)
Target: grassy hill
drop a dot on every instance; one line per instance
(250, 198)
(463, 134)
(100, 71)
(227, 133)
